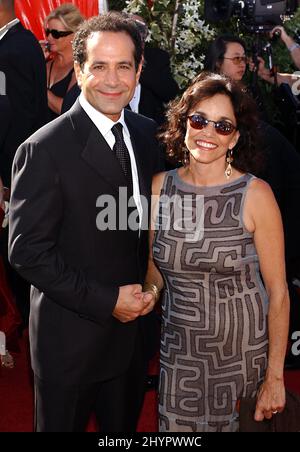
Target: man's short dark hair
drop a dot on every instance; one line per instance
(113, 21)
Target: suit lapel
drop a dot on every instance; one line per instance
(99, 156)
(96, 151)
(17, 27)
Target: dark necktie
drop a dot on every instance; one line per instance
(121, 151)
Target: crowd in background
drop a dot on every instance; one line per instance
(51, 84)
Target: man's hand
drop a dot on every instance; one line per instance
(130, 304)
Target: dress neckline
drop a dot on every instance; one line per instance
(49, 86)
(208, 187)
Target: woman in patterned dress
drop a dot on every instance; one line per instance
(215, 229)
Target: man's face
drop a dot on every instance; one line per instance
(109, 77)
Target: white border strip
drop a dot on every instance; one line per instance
(103, 6)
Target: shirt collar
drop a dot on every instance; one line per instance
(8, 26)
(101, 121)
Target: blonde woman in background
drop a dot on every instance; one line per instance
(60, 26)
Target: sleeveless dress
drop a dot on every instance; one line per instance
(214, 340)
(59, 88)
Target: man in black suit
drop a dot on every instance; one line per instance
(23, 65)
(23, 110)
(82, 242)
(157, 85)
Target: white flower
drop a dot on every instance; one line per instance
(183, 35)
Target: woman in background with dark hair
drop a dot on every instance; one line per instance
(227, 55)
(224, 335)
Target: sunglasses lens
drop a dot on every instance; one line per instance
(197, 122)
(239, 60)
(56, 34)
(224, 127)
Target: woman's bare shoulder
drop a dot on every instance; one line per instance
(261, 202)
(259, 188)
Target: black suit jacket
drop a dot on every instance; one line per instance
(22, 61)
(282, 172)
(158, 86)
(76, 269)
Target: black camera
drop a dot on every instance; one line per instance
(256, 15)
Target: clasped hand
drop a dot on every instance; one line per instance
(132, 302)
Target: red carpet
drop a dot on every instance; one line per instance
(16, 397)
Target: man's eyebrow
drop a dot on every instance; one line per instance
(106, 62)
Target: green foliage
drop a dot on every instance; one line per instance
(178, 26)
(160, 19)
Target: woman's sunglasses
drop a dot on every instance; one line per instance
(237, 59)
(56, 34)
(222, 127)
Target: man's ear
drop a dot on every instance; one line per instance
(78, 73)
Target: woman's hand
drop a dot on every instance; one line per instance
(45, 48)
(270, 398)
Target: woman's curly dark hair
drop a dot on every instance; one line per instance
(246, 154)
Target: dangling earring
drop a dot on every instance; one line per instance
(229, 160)
(186, 157)
(171, 153)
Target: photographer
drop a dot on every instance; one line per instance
(291, 45)
(266, 74)
(294, 50)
